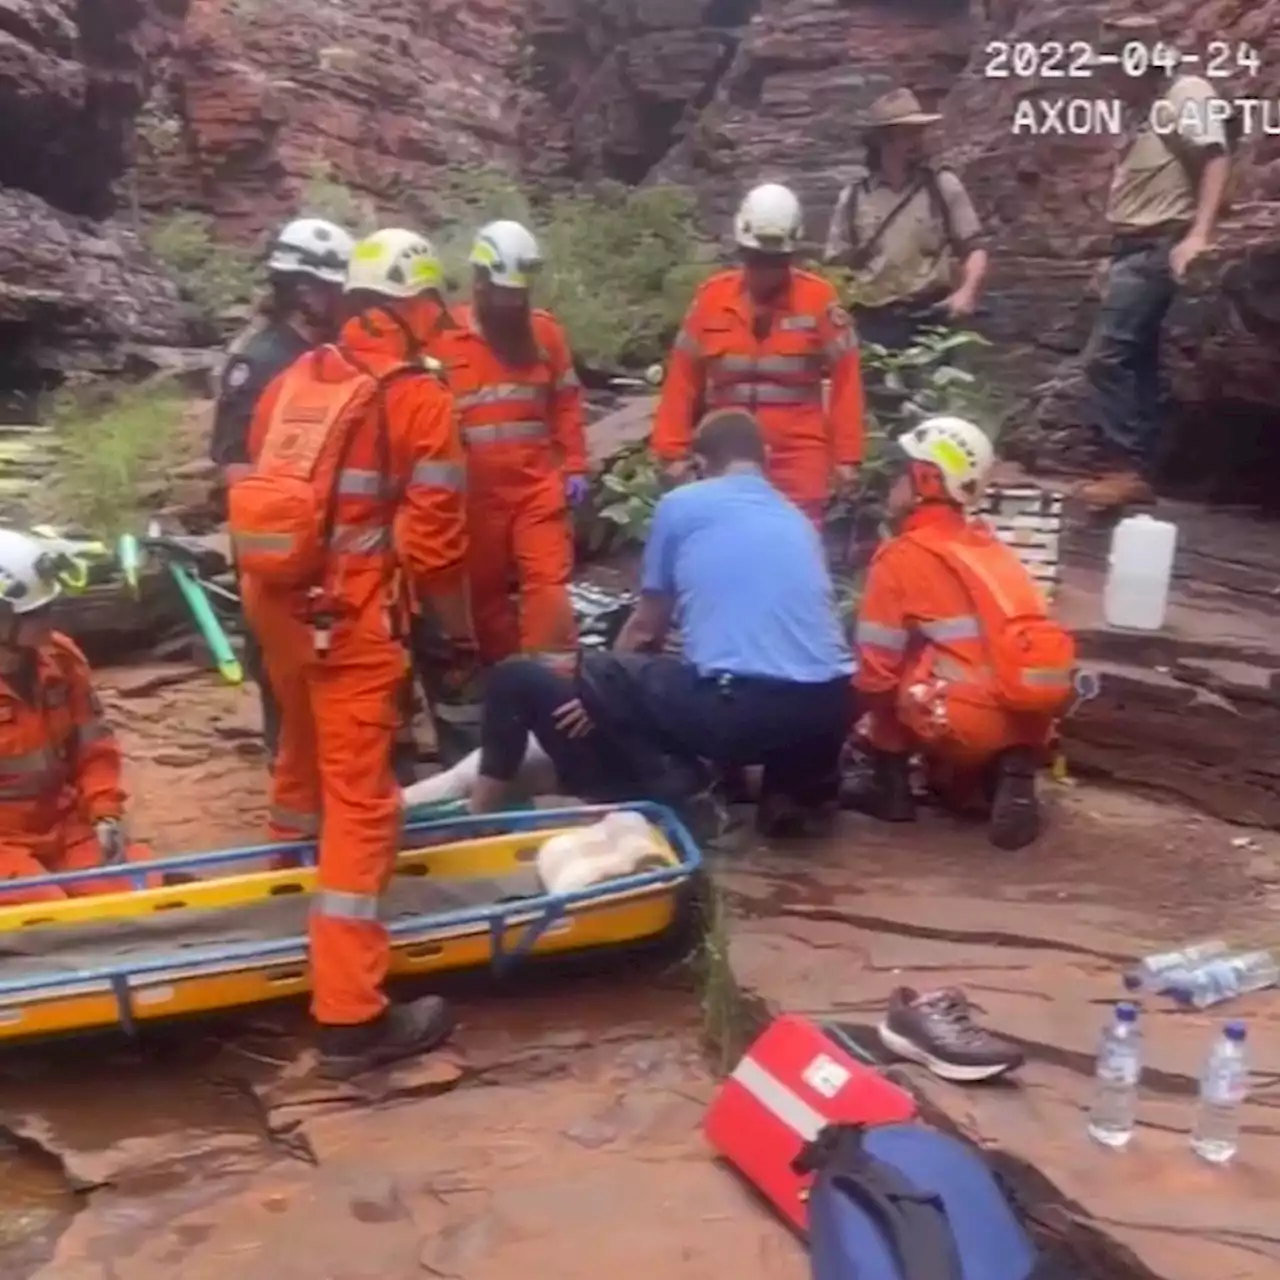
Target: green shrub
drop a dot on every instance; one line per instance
(214, 277)
(622, 264)
(112, 447)
(324, 195)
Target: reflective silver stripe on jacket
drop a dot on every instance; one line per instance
(783, 366)
(299, 820)
(85, 735)
(945, 667)
(880, 637)
(789, 324)
(763, 393)
(1047, 677)
(964, 626)
(439, 475)
(353, 482)
(280, 542)
(495, 433)
(504, 393)
(337, 905)
(360, 539)
(32, 775)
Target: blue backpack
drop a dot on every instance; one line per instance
(904, 1202)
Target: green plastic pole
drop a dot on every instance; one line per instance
(210, 628)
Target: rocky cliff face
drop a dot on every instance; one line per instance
(74, 282)
(232, 106)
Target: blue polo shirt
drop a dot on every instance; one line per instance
(749, 578)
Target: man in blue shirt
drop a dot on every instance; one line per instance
(766, 673)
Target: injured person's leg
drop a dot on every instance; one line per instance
(536, 776)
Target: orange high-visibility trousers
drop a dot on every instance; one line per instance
(522, 534)
(338, 718)
(72, 847)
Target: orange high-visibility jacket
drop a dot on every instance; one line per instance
(717, 362)
(516, 423)
(917, 618)
(401, 492)
(59, 759)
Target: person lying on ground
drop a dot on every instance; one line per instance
(61, 801)
(765, 674)
(957, 659)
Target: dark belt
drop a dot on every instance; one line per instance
(1165, 236)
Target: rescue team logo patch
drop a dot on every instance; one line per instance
(238, 375)
(839, 316)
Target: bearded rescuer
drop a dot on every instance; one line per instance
(305, 273)
(61, 802)
(358, 480)
(763, 337)
(520, 408)
(957, 657)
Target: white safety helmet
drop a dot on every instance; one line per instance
(769, 220)
(29, 574)
(311, 247)
(961, 451)
(508, 252)
(394, 263)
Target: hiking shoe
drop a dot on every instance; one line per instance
(1115, 489)
(890, 797)
(401, 1031)
(1015, 809)
(937, 1030)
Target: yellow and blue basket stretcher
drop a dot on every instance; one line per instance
(466, 893)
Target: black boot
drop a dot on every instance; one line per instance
(1015, 811)
(401, 1031)
(885, 792)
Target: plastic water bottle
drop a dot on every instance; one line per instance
(1115, 1101)
(1155, 973)
(1225, 978)
(1216, 1134)
(1139, 572)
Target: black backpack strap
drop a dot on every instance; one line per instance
(861, 253)
(913, 1223)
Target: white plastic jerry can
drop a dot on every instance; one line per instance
(1139, 573)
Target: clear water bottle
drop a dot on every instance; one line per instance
(1225, 978)
(1115, 1101)
(1153, 973)
(1216, 1134)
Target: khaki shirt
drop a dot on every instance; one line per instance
(1151, 186)
(913, 256)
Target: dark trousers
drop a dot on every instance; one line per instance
(1122, 365)
(796, 731)
(521, 698)
(899, 325)
(257, 670)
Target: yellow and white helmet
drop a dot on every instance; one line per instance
(508, 252)
(960, 450)
(29, 574)
(769, 220)
(394, 263)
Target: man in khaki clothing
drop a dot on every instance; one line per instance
(907, 231)
(1166, 193)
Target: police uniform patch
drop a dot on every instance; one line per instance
(839, 316)
(238, 375)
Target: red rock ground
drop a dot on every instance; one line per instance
(560, 1136)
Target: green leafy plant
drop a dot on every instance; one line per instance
(324, 195)
(114, 447)
(214, 277)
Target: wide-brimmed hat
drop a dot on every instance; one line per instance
(899, 106)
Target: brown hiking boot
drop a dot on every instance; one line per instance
(1015, 809)
(937, 1030)
(1115, 489)
(401, 1031)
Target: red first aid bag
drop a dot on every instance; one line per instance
(794, 1080)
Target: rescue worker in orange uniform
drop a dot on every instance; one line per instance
(358, 482)
(763, 337)
(957, 658)
(61, 800)
(520, 407)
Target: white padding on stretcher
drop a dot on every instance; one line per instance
(620, 844)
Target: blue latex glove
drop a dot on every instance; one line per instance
(577, 489)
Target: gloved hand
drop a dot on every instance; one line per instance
(576, 490)
(111, 840)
